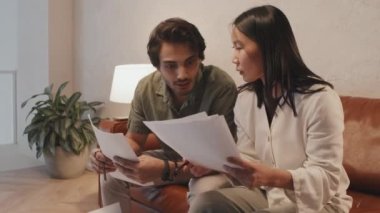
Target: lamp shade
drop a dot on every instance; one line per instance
(125, 79)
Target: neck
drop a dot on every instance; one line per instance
(179, 100)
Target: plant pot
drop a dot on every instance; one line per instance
(64, 165)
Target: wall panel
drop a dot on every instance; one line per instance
(7, 107)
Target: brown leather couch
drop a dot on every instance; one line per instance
(362, 152)
(361, 161)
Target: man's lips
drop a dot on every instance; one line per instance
(182, 84)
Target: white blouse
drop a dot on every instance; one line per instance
(309, 146)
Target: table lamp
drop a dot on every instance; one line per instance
(125, 79)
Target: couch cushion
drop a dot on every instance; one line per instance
(364, 202)
(362, 143)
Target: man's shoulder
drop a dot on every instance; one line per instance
(152, 80)
(218, 75)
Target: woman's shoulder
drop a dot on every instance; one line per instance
(320, 92)
(324, 97)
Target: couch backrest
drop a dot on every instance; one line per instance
(362, 143)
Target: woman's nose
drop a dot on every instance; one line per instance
(235, 60)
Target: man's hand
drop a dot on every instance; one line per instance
(147, 169)
(198, 171)
(100, 163)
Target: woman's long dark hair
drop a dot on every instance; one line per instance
(283, 65)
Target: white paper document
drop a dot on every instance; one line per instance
(115, 144)
(113, 208)
(200, 139)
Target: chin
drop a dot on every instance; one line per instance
(184, 92)
(246, 79)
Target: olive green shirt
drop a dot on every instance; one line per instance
(214, 93)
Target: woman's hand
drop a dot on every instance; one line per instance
(147, 169)
(100, 163)
(255, 174)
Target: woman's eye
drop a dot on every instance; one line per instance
(237, 47)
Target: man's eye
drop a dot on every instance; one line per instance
(170, 66)
(190, 62)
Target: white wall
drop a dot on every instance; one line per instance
(338, 39)
(8, 35)
(61, 43)
(8, 64)
(37, 45)
(30, 62)
(33, 58)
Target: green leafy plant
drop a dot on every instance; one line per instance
(60, 121)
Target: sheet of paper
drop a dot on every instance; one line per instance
(203, 140)
(113, 144)
(113, 208)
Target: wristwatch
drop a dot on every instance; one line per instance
(166, 171)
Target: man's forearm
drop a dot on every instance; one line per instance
(137, 148)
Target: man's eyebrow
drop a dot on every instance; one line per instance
(191, 57)
(169, 62)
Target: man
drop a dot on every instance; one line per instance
(181, 86)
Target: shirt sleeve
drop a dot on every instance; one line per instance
(317, 180)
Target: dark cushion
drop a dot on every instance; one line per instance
(170, 198)
(364, 203)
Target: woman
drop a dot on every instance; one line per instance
(290, 127)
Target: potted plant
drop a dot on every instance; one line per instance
(61, 131)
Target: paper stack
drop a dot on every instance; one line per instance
(201, 139)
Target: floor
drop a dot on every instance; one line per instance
(32, 190)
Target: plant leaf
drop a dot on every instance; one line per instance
(57, 98)
(72, 101)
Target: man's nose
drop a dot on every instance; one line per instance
(182, 73)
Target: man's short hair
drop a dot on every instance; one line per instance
(174, 30)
